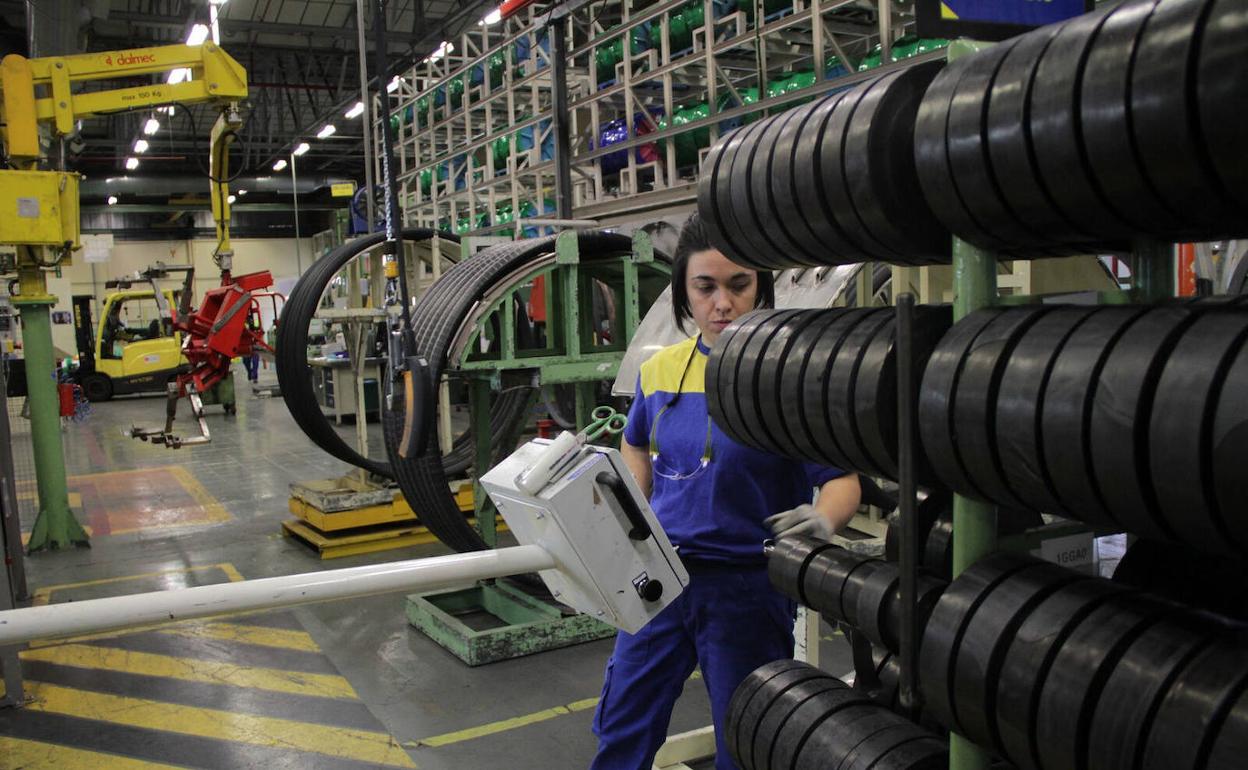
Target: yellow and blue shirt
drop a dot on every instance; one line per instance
(712, 511)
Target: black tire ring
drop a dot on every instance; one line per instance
(292, 344)
(436, 319)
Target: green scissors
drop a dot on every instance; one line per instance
(606, 421)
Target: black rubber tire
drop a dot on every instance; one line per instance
(96, 387)
(436, 319)
(292, 344)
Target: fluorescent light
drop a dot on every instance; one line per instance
(493, 17)
(280, 164)
(199, 33)
(393, 85)
(112, 199)
(151, 126)
(355, 111)
(132, 163)
(140, 145)
(242, 192)
(442, 50)
(301, 149)
(167, 110)
(178, 75)
(230, 199)
(327, 131)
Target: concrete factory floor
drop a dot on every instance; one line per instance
(342, 685)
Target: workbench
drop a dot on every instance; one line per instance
(333, 380)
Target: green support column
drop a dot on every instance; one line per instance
(479, 406)
(1152, 271)
(974, 523)
(55, 527)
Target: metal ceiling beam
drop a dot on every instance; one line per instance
(242, 25)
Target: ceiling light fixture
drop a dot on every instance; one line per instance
(112, 199)
(151, 126)
(493, 17)
(140, 145)
(327, 131)
(301, 149)
(440, 51)
(199, 33)
(280, 164)
(355, 111)
(132, 163)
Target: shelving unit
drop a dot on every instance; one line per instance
(476, 142)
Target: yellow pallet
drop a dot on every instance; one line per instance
(396, 512)
(334, 545)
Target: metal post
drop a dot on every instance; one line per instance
(12, 573)
(479, 392)
(886, 32)
(14, 568)
(294, 194)
(1152, 271)
(55, 526)
(906, 406)
(559, 116)
(974, 523)
(366, 117)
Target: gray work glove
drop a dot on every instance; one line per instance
(802, 520)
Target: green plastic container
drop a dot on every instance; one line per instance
(496, 65)
(905, 47)
(680, 34)
(455, 94)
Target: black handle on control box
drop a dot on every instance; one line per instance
(641, 528)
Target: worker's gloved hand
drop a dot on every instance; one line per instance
(802, 520)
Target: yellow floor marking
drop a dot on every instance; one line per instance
(514, 722)
(358, 745)
(44, 595)
(230, 632)
(193, 670)
(36, 755)
(214, 512)
(505, 724)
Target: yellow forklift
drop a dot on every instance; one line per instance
(131, 350)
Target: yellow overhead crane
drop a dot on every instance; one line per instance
(39, 211)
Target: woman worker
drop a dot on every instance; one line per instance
(718, 501)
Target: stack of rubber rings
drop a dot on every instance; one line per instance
(831, 182)
(1131, 418)
(788, 715)
(1054, 670)
(819, 385)
(859, 591)
(1094, 133)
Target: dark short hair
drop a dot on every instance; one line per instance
(693, 238)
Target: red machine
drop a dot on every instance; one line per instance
(217, 331)
(212, 335)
